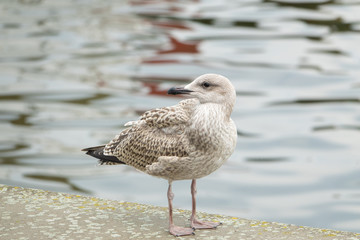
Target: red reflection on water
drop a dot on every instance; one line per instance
(154, 89)
(171, 25)
(153, 84)
(175, 46)
(181, 47)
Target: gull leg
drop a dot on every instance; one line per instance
(176, 230)
(196, 224)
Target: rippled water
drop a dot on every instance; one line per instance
(73, 72)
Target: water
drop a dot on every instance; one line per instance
(73, 72)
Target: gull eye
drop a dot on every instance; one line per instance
(205, 84)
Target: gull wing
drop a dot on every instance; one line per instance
(159, 132)
(170, 116)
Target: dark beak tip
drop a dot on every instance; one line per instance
(178, 90)
(172, 91)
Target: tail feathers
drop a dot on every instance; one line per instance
(98, 152)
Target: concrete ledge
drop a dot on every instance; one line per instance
(38, 214)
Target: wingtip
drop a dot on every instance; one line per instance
(92, 148)
(97, 152)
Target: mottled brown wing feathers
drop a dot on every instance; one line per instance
(159, 132)
(111, 146)
(165, 117)
(143, 147)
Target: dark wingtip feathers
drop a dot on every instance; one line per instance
(98, 152)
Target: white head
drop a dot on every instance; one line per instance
(210, 88)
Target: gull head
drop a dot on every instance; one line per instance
(209, 88)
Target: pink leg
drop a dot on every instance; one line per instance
(176, 230)
(196, 224)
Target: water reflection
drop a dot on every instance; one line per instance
(73, 72)
(64, 180)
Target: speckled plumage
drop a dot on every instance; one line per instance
(187, 141)
(159, 132)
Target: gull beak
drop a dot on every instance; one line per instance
(178, 90)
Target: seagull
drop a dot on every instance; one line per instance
(186, 141)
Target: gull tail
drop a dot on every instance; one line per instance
(98, 152)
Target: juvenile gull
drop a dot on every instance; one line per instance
(187, 141)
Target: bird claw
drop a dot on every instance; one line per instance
(196, 224)
(180, 231)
